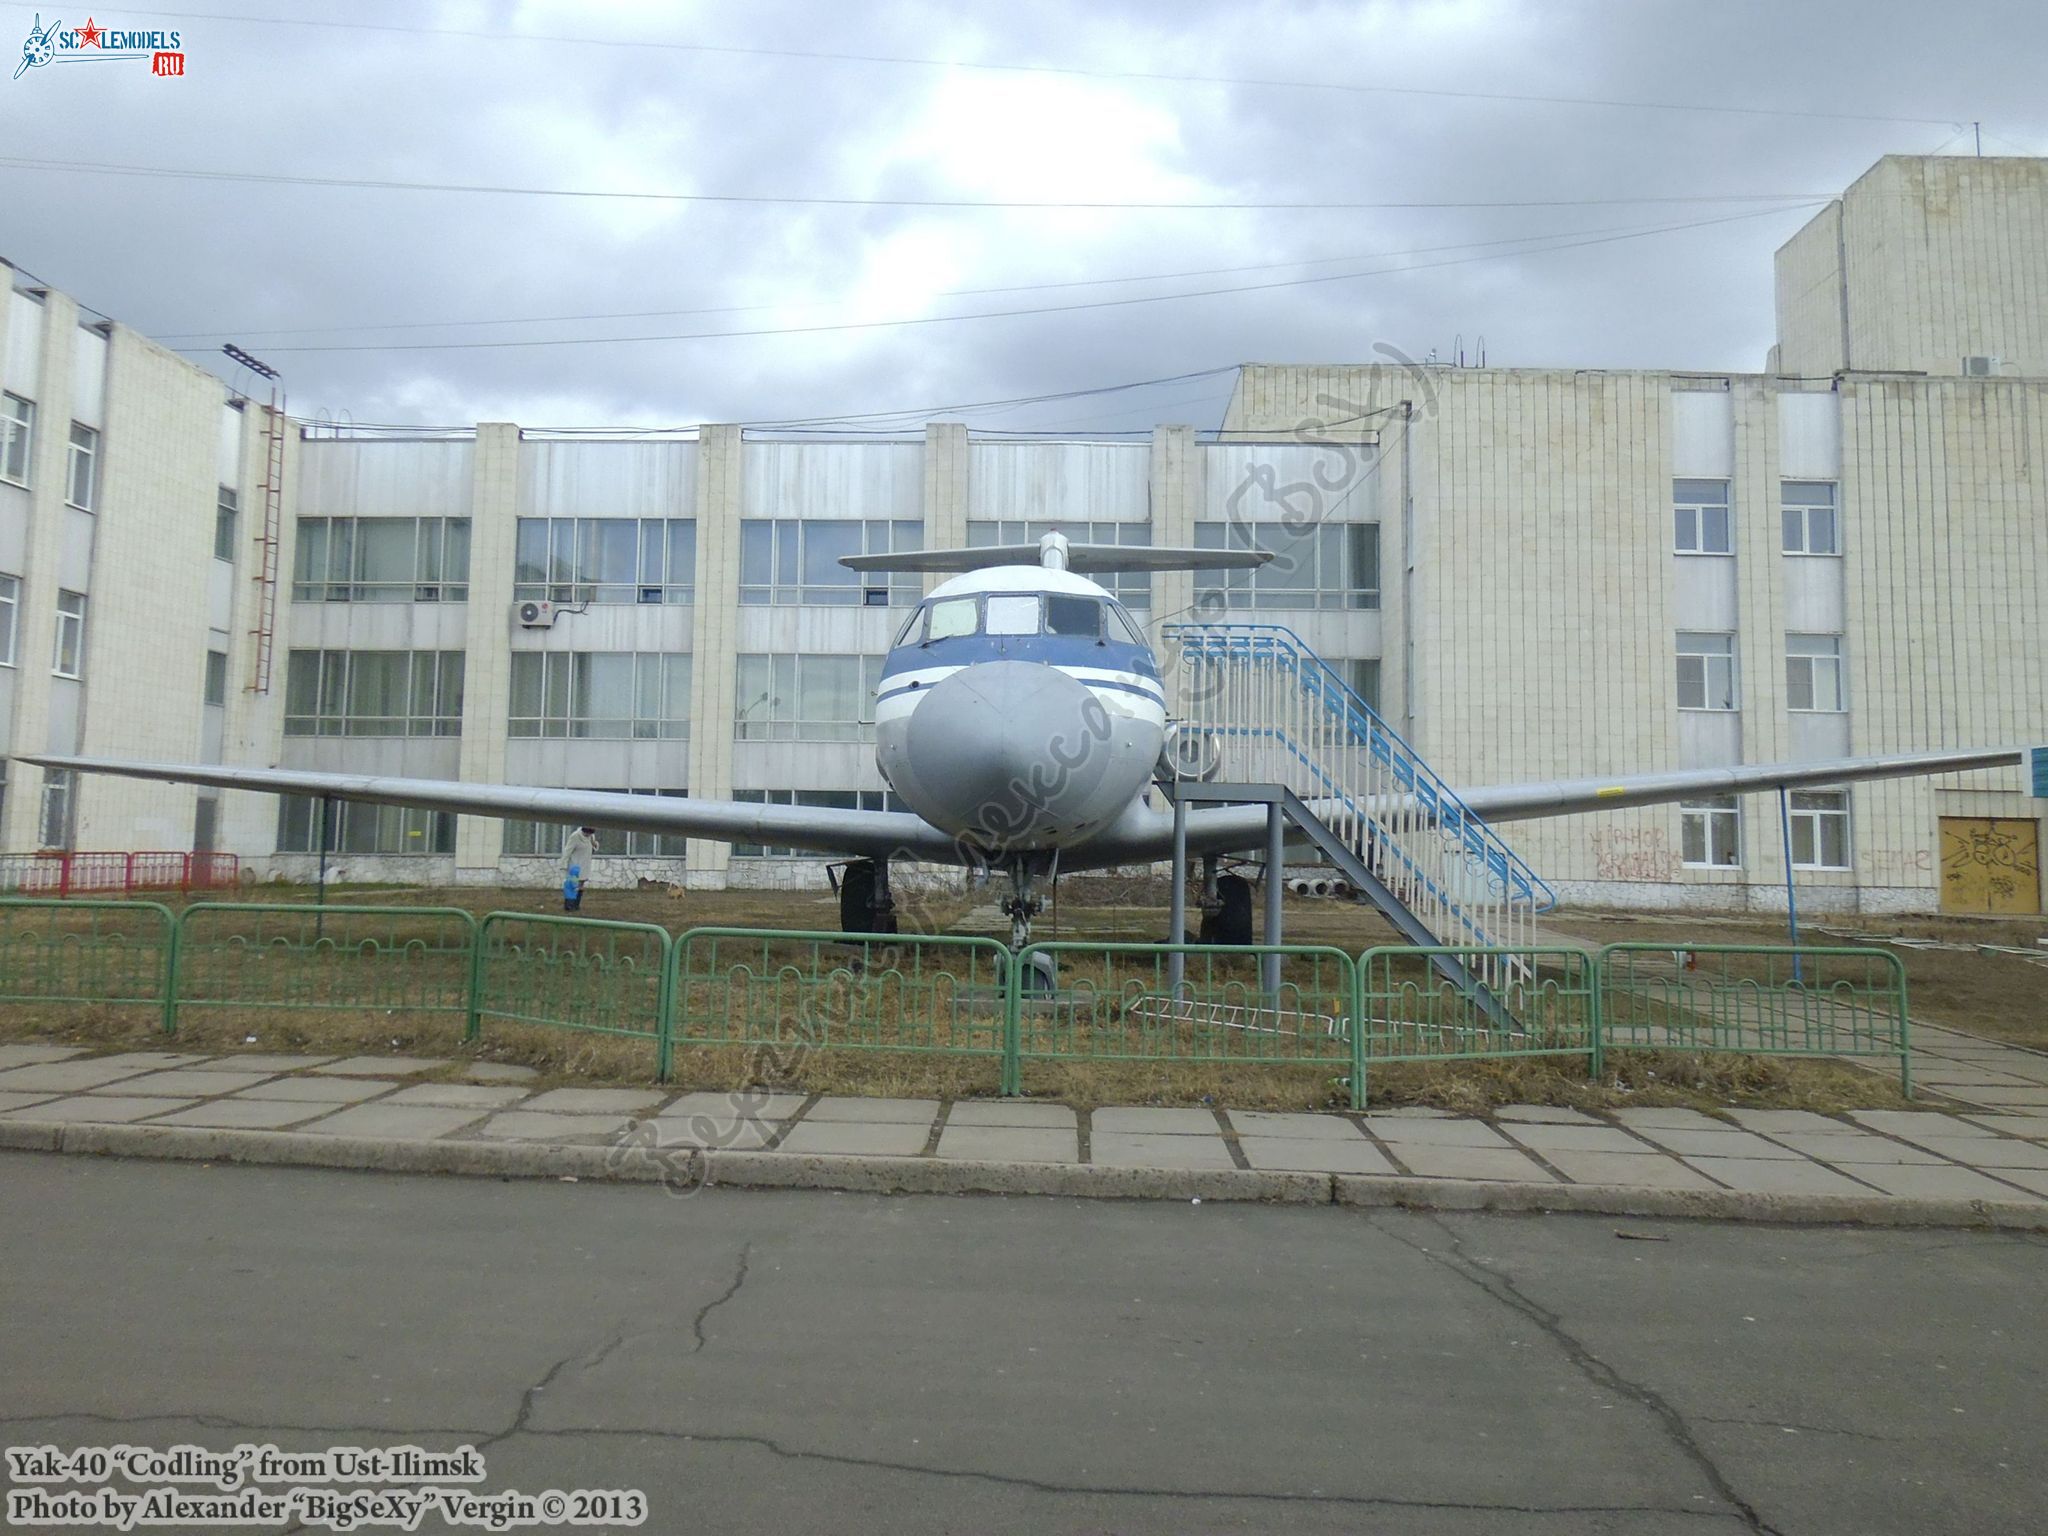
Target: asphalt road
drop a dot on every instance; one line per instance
(821, 1362)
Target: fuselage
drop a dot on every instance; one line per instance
(1020, 709)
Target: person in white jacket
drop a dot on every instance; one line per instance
(578, 849)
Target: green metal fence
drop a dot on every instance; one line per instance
(1757, 1000)
(1132, 1002)
(408, 966)
(96, 953)
(1545, 1001)
(787, 993)
(575, 973)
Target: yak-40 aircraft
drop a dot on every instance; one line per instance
(1022, 717)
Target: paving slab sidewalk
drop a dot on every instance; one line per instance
(1531, 1153)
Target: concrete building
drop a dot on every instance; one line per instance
(1532, 573)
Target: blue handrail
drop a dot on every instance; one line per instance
(1411, 772)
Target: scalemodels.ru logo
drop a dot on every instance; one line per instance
(91, 43)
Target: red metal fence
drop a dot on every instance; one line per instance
(100, 874)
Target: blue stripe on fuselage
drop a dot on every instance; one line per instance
(1054, 650)
(1147, 694)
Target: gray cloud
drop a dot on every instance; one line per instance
(172, 256)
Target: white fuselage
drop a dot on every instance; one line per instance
(1020, 709)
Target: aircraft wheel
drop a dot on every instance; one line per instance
(1231, 922)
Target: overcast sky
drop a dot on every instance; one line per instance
(542, 95)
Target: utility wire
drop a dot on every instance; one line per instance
(388, 184)
(244, 334)
(1069, 70)
(1000, 314)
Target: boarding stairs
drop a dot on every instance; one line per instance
(1259, 716)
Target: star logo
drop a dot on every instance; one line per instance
(89, 35)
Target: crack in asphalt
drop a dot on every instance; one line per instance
(1502, 1288)
(739, 1279)
(529, 1399)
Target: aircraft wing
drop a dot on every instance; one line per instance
(820, 829)
(1230, 828)
(1566, 797)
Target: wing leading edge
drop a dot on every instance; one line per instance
(820, 829)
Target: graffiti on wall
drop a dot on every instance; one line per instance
(1634, 853)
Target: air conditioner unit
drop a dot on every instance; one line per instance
(1980, 367)
(534, 614)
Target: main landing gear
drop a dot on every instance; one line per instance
(865, 905)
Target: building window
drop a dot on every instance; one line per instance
(832, 799)
(579, 560)
(1820, 829)
(373, 693)
(380, 560)
(543, 839)
(1132, 588)
(1326, 565)
(224, 518)
(1710, 832)
(787, 560)
(70, 658)
(1362, 676)
(1813, 674)
(1812, 526)
(805, 698)
(18, 421)
(10, 617)
(1700, 524)
(217, 678)
(1706, 671)
(600, 695)
(59, 794)
(362, 829)
(82, 489)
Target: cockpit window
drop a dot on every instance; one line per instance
(907, 635)
(1013, 613)
(1122, 628)
(951, 618)
(1066, 615)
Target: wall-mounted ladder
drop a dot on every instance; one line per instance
(268, 540)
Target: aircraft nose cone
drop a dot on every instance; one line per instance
(1008, 753)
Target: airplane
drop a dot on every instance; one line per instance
(1021, 716)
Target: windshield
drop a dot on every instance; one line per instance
(952, 618)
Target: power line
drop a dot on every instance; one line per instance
(386, 184)
(1004, 314)
(950, 293)
(877, 420)
(1069, 70)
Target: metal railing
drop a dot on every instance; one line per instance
(405, 967)
(1549, 1005)
(778, 995)
(112, 874)
(1756, 1000)
(1132, 1003)
(575, 973)
(91, 953)
(1255, 705)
